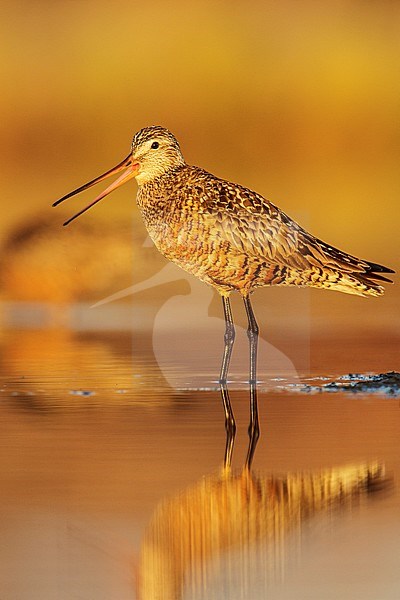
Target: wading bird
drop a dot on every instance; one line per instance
(231, 238)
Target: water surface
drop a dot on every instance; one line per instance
(112, 483)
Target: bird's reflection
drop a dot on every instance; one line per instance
(226, 523)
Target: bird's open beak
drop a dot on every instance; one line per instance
(132, 169)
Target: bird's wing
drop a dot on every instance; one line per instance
(255, 226)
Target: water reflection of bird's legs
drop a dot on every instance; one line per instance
(229, 338)
(254, 428)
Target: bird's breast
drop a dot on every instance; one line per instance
(187, 230)
(174, 224)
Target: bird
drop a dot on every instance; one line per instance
(231, 238)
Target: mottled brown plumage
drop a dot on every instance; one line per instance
(231, 237)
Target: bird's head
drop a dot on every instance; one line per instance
(154, 151)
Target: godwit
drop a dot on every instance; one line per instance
(231, 238)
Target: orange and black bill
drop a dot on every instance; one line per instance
(132, 169)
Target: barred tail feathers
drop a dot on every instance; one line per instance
(331, 268)
(357, 283)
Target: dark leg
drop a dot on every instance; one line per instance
(252, 334)
(229, 339)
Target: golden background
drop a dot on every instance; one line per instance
(298, 100)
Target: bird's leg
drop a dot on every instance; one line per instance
(229, 339)
(252, 334)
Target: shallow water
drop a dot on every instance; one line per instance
(112, 484)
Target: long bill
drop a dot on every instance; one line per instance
(132, 170)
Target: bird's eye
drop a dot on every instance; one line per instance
(155, 145)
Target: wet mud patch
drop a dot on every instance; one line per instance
(358, 383)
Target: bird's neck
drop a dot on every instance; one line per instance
(159, 180)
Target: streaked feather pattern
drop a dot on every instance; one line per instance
(234, 239)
